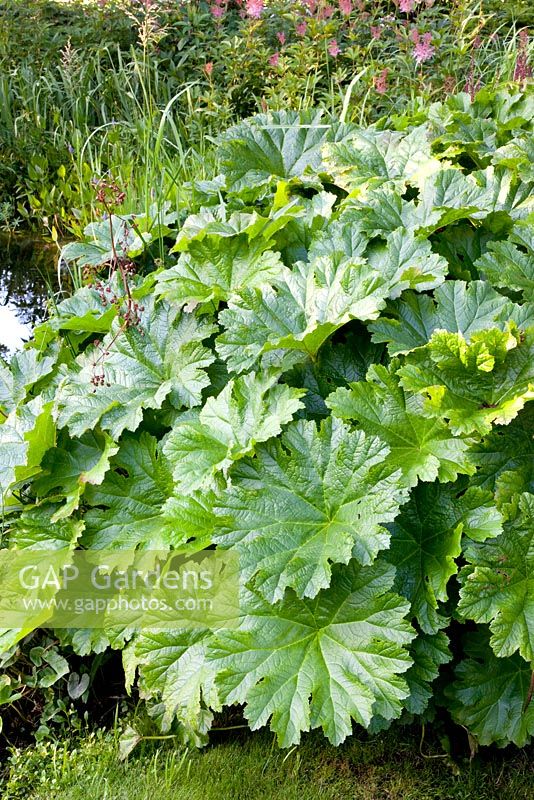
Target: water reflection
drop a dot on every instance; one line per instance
(27, 273)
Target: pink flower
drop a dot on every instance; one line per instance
(406, 6)
(325, 12)
(274, 59)
(414, 35)
(301, 28)
(376, 32)
(217, 11)
(381, 81)
(281, 37)
(208, 68)
(333, 48)
(312, 5)
(345, 6)
(423, 49)
(254, 8)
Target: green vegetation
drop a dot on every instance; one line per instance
(324, 376)
(389, 767)
(138, 91)
(296, 325)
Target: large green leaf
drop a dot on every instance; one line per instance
(457, 307)
(128, 504)
(429, 652)
(505, 457)
(426, 539)
(37, 529)
(308, 500)
(173, 668)
(408, 262)
(507, 266)
(476, 384)
(423, 449)
(142, 367)
(204, 444)
(282, 144)
(71, 466)
(491, 696)
(24, 371)
(301, 313)
(211, 270)
(498, 584)
(319, 663)
(342, 360)
(375, 157)
(25, 436)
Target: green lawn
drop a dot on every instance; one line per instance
(250, 767)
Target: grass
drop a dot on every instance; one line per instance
(251, 767)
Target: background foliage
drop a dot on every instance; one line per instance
(138, 90)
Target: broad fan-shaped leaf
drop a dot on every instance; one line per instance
(456, 196)
(375, 157)
(25, 436)
(24, 371)
(307, 500)
(301, 313)
(38, 529)
(319, 663)
(505, 457)
(173, 669)
(216, 223)
(128, 503)
(68, 468)
(423, 449)
(342, 360)
(491, 696)
(475, 384)
(407, 261)
(457, 307)
(279, 145)
(429, 652)
(211, 270)
(426, 539)
(342, 240)
(249, 410)
(164, 359)
(498, 584)
(507, 266)
(83, 312)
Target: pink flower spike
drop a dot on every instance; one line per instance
(254, 8)
(345, 6)
(281, 37)
(414, 35)
(274, 59)
(217, 11)
(301, 28)
(381, 81)
(208, 68)
(406, 6)
(424, 50)
(376, 32)
(333, 48)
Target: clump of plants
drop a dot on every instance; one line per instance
(147, 86)
(331, 377)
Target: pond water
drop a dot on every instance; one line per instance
(27, 274)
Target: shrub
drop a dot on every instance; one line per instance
(330, 378)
